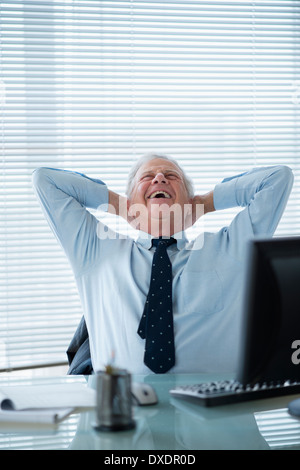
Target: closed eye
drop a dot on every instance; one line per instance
(169, 176)
(147, 177)
(172, 176)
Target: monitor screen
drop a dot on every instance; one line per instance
(270, 336)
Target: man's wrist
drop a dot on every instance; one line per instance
(207, 200)
(117, 204)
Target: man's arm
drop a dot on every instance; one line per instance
(201, 204)
(263, 192)
(117, 205)
(64, 197)
(206, 200)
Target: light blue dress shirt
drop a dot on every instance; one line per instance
(113, 274)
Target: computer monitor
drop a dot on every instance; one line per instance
(271, 325)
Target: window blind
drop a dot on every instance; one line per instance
(278, 428)
(92, 85)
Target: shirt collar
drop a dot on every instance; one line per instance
(145, 239)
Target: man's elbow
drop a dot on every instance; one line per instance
(282, 176)
(287, 175)
(38, 176)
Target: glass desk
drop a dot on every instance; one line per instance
(172, 424)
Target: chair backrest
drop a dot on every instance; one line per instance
(78, 352)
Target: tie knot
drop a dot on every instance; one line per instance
(163, 241)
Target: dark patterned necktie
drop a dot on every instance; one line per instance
(156, 324)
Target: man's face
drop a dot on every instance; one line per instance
(159, 187)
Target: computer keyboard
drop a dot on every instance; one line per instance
(230, 391)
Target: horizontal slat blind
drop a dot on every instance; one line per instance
(91, 85)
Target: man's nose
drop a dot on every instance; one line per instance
(159, 178)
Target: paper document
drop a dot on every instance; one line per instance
(46, 416)
(44, 403)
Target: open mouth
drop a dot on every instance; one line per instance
(160, 195)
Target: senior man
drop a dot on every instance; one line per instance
(184, 315)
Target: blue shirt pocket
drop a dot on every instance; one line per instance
(202, 292)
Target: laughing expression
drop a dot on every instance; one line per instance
(159, 184)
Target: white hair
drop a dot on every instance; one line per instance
(151, 156)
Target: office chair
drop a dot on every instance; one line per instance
(78, 352)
